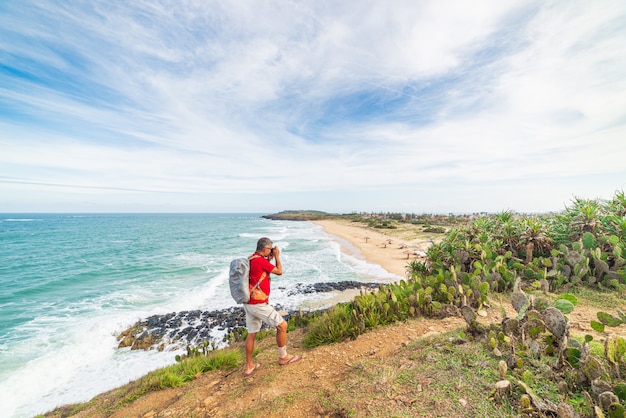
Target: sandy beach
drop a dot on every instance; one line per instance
(391, 252)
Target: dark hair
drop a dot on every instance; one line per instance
(264, 243)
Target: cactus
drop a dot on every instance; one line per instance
(519, 300)
(573, 258)
(556, 322)
(511, 327)
(620, 391)
(493, 343)
(608, 320)
(532, 328)
(468, 315)
(573, 356)
(502, 369)
(589, 241)
(606, 399)
(540, 303)
(614, 352)
(592, 368)
(528, 377)
(617, 410)
(601, 266)
(565, 410)
(600, 386)
(564, 305)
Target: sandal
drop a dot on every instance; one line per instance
(292, 359)
(249, 373)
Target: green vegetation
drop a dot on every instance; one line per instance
(527, 365)
(583, 247)
(435, 376)
(578, 247)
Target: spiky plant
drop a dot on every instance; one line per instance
(534, 238)
(585, 215)
(617, 205)
(509, 233)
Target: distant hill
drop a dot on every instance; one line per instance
(298, 215)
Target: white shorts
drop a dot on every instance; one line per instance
(259, 313)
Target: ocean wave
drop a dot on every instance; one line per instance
(112, 271)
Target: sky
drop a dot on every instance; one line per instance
(413, 106)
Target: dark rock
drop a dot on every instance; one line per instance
(194, 327)
(330, 286)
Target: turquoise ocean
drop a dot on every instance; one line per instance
(69, 283)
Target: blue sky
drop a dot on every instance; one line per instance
(231, 106)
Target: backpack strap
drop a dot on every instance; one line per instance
(263, 275)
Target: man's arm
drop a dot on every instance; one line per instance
(278, 269)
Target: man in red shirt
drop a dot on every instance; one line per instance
(258, 309)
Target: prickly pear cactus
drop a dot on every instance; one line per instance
(606, 399)
(502, 368)
(592, 368)
(519, 300)
(615, 352)
(601, 266)
(573, 258)
(511, 327)
(556, 322)
(468, 314)
(617, 410)
(600, 386)
(620, 391)
(541, 304)
(574, 343)
(566, 410)
(533, 328)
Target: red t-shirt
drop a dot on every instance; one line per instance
(258, 265)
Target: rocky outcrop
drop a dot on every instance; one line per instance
(297, 215)
(191, 328)
(180, 328)
(330, 286)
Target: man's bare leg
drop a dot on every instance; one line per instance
(250, 366)
(281, 342)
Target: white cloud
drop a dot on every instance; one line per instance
(224, 97)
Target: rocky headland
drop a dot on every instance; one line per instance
(177, 330)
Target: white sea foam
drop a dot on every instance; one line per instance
(61, 346)
(73, 359)
(249, 235)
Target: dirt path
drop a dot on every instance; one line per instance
(296, 390)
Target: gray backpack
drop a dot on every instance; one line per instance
(239, 280)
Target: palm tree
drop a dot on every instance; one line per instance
(504, 217)
(534, 237)
(585, 215)
(617, 205)
(480, 228)
(509, 233)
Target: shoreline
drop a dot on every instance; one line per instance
(377, 250)
(390, 252)
(166, 331)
